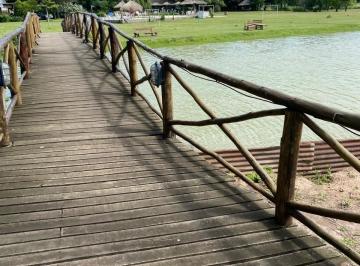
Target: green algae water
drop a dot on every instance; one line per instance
(323, 69)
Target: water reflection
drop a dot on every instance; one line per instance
(323, 69)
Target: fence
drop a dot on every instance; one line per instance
(316, 156)
(17, 49)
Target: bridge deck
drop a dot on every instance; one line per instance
(90, 181)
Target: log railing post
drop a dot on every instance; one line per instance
(32, 32)
(86, 29)
(93, 32)
(102, 40)
(114, 48)
(76, 17)
(167, 101)
(24, 54)
(73, 24)
(132, 66)
(289, 151)
(13, 74)
(81, 25)
(5, 141)
(28, 41)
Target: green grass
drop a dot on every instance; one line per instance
(52, 26)
(231, 27)
(322, 178)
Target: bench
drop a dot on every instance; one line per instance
(144, 31)
(256, 24)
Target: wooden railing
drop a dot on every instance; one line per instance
(16, 48)
(108, 39)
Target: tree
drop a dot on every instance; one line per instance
(22, 7)
(47, 5)
(67, 8)
(257, 4)
(146, 4)
(347, 3)
(335, 4)
(218, 4)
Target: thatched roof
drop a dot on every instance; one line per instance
(193, 2)
(132, 7)
(244, 3)
(119, 5)
(177, 2)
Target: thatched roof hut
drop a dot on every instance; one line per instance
(193, 2)
(132, 7)
(119, 5)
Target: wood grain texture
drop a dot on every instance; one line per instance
(90, 181)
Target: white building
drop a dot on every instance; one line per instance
(5, 7)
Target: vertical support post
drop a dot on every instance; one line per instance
(32, 31)
(73, 24)
(13, 74)
(167, 100)
(5, 141)
(80, 25)
(76, 16)
(132, 66)
(289, 151)
(114, 48)
(86, 29)
(24, 54)
(93, 28)
(102, 40)
(28, 41)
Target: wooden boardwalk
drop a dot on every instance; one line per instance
(90, 181)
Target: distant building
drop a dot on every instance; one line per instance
(173, 4)
(244, 5)
(6, 7)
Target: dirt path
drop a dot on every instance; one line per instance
(343, 192)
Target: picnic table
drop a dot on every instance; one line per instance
(144, 31)
(256, 24)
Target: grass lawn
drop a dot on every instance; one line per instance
(52, 26)
(231, 27)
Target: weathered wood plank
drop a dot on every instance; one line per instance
(90, 180)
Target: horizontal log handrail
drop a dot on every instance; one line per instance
(226, 120)
(331, 213)
(295, 111)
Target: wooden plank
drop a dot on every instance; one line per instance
(91, 177)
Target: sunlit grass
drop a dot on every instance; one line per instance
(51, 26)
(228, 28)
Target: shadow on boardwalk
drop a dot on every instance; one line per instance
(91, 181)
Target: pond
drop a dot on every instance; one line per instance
(323, 69)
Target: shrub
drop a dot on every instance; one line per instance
(16, 19)
(101, 14)
(253, 176)
(162, 17)
(4, 18)
(7, 18)
(70, 7)
(299, 9)
(322, 178)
